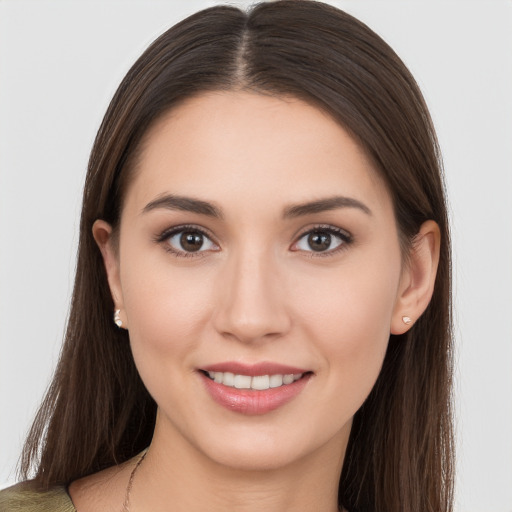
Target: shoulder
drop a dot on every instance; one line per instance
(26, 497)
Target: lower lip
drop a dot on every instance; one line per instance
(253, 402)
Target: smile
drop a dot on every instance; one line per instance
(253, 389)
(257, 382)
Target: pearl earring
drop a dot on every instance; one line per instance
(117, 318)
(406, 320)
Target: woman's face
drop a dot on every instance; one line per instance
(256, 242)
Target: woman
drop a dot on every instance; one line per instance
(263, 284)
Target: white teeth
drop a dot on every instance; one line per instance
(258, 382)
(242, 382)
(276, 381)
(228, 379)
(288, 379)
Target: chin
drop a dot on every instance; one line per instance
(256, 457)
(261, 448)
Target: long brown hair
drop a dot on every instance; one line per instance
(97, 411)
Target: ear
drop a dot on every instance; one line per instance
(418, 278)
(102, 233)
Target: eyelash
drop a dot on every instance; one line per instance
(346, 238)
(168, 233)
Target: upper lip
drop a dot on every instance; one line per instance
(253, 370)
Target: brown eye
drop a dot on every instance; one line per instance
(186, 241)
(323, 240)
(191, 241)
(319, 241)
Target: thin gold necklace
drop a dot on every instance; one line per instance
(126, 504)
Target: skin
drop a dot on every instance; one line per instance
(255, 291)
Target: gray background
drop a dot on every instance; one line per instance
(60, 62)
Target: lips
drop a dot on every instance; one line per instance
(253, 389)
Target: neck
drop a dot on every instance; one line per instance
(176, 477)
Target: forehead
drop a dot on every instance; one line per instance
(240, 146)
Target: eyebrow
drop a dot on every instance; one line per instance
(190, 204)
(186, 204)
(323, 205)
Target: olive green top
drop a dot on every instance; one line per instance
(25, 497)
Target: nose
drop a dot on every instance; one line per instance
(251, 299)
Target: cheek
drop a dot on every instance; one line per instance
(355, 298)
(349, 315)
(166, 310)
(167, 314)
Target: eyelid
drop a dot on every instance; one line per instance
(343, 234)
(170, 232)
